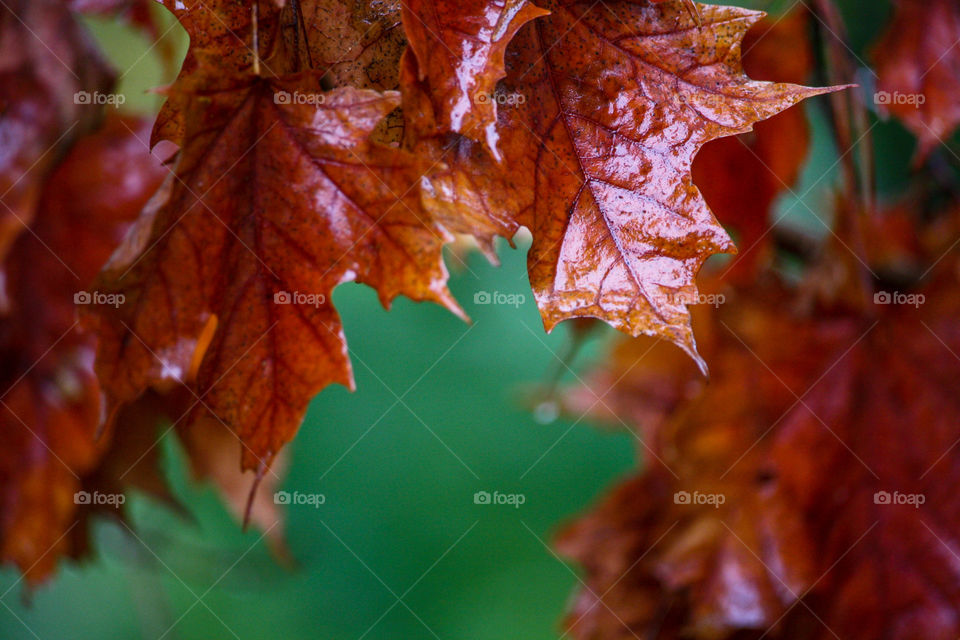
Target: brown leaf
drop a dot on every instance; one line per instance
(274, 204)
(918, 65)
(460, 47)
(49, 407)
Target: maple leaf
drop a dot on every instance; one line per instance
(767, 510)
(274, 204)
(917, 66)
(601, 169)
(460, 49)
(719, 552)
(50, 402)
(50, 409)
(48, 71)
(881, 425)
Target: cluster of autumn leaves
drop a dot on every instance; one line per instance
(808, 489)
(323, 141)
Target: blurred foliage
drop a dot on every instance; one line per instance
(399, 549)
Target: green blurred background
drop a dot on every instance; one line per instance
(399, 549)
(399, 517)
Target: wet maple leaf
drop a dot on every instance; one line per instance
(918, 66)
(766, 512)
(606, 106)
(460, 49)
(49, 69)
(274, 204)
(50, 405)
